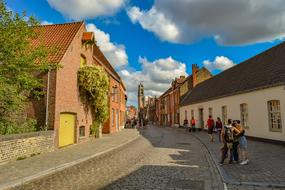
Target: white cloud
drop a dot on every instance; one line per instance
(115, 53)
(155, 22)
(156, 77)
(46, 22)
(84, 9)
(229, 22)
(220, 63)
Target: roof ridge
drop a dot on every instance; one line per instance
(67, 23)
(247, 61)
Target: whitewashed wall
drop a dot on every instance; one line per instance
(257, 111)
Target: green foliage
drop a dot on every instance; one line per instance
(19, 61)
(29, 125)
(95, 129)
(93, 87)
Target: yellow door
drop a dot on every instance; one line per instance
(66, 129)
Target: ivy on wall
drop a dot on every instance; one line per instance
(93, 85)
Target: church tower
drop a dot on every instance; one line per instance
(141, 100)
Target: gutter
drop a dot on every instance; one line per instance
(47, 100)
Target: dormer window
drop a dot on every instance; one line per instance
(88, 38)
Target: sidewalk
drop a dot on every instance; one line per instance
(18, 172)
(266, 166)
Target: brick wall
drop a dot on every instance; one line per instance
(25, 145)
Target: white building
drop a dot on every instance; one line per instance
(253, 92)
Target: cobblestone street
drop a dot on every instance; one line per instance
(160, 159)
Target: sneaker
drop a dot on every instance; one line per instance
(244, 162)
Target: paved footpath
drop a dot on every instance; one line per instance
(266, 169)
(18, 172)
(160, 158)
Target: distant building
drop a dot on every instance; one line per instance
(252, 92)
(141, 102)
(131, 112)
(168, 104)
(150, 109)
(141, 98)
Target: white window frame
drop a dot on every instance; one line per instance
(210, 110)
(274, 116)
(244, 115)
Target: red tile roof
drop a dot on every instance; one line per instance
(87, 36)
(56, 37)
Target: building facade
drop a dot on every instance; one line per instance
(117, 95)
(61, 108)
(168, 104)
(131, 112)
(252, 92)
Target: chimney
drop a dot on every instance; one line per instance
(195, 69)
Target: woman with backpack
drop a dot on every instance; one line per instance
(227, 136)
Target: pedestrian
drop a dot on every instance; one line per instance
(193, 124)
(211, 125)
(242, 144)
(186, 126)
(227, 140)
(236, 136)
(219, 126)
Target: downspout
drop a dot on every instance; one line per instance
(47, 100)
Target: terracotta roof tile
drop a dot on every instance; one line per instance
(56, 37)
(87, 36)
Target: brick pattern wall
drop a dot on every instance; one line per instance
(25, 145)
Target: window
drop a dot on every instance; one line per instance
(211, 111)
(83, 61)
(224, 115)
(192, 114)
(244, 115)
(185, 114)
(113, 117)
(274, 115)
(82, 131)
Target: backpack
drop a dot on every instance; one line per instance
(229, 136)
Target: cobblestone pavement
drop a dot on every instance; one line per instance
(160, 159)
(266, 166)
(17, 172)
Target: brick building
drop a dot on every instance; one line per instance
(61, 109)
(117, 95)
(131, 112)
(168, 104)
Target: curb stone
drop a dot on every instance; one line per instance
(61, 167)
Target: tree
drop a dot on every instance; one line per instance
(19, 61)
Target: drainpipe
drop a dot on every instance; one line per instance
(47, 101)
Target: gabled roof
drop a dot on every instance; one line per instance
(262, 71)
(56, 37)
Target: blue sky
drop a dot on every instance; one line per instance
(154, 41)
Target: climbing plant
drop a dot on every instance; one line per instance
(93, 88)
